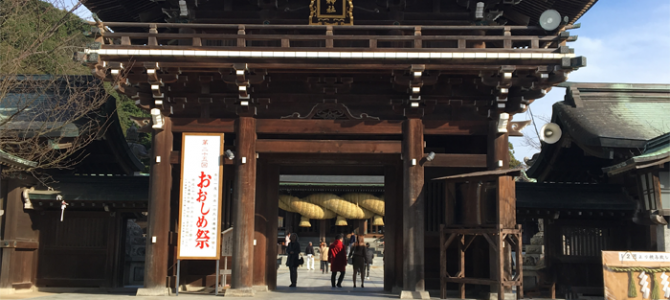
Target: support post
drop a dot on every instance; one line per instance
(393, 228)
(663, 238)
(18, 268)
(158, 219)
(176, 285)
(272, 190)
(413, 209)
(244, 197)
(260, 228)
(498, 158)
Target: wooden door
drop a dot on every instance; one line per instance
(78, 252)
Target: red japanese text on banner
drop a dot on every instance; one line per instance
(200, 197)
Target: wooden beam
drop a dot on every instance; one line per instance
(440, 127)
(301, 159)
(449, 160)
(244, 198)
(413, 207)
(357, 127)
(203, 125)
(359, 169)
(160, 185)
(328, 146)
(175, 158)
(343, 127)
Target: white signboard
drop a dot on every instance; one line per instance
(645, 256)
(227, 242)
(199, 206)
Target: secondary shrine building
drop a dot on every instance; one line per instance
(409, 90)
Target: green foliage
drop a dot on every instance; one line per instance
(513, 162)
(37, 38)
(126, 108)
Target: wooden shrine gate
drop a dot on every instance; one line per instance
(289, 98)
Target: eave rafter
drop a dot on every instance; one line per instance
(412, 81)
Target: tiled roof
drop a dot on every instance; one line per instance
(614, 115)
(12, 161)
(153, 11)
(96, 188)
(656, 151)
(601, 119)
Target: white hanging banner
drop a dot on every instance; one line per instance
(200, 196)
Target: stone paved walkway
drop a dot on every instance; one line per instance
(312, 285)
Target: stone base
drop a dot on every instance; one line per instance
(260, 288)
(241, 292)
(508, 296)
(414, 295)
(157, 291)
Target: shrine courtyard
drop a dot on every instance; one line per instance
(311, 285)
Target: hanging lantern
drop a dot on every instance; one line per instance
(377, 220)
(340, 221)
(304, 222)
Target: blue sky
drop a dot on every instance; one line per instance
(624, 41)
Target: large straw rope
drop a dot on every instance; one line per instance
(304, 208)
(367, 201)
(340, 206)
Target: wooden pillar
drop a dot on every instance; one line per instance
(322, 231)
(244, 197)
(413, 209)
(158, 219)
(498, 147)
(498, 158)
(362, 227)
(260, 225)
(393, 228)
(399, 224)
(272, 207)
(19, 258)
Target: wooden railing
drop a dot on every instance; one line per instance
(324, 38)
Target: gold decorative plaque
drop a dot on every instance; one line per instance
(331, 12)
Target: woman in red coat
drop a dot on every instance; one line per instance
(338, 260)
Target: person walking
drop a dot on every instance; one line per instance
(323, 249)
(352, 242)
(338, 260)
(287, 239)
(309, 251)
(293, 251)
(369, 256)
(360, 260)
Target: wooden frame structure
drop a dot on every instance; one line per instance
(472, 194)
(495, 237)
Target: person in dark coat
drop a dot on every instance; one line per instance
(338, 260)
(293, 251)
(360, 260)
(369, 256)
(309, 251)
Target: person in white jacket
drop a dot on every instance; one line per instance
(309, 251)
